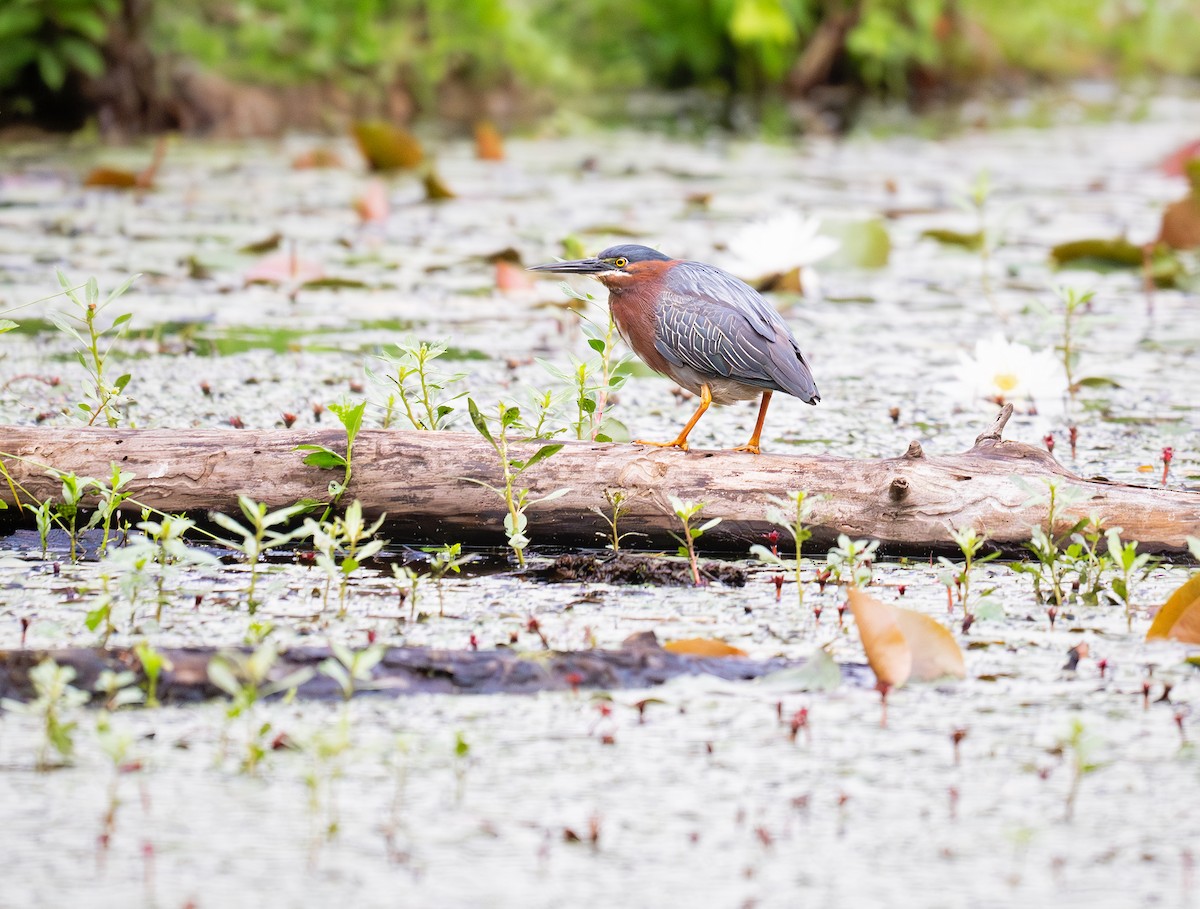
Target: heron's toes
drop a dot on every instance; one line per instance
(681, 444)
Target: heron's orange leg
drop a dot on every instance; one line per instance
(752, 445)
(681, 441)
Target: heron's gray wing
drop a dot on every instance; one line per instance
(715, 324)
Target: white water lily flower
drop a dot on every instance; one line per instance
(1002, 371)
(765, 251)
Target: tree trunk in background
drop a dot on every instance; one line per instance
(828, 41)
(132, 96)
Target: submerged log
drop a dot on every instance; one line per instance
(639, 663)
(910, 503)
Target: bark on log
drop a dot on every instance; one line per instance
(910, 503)
(639, 663)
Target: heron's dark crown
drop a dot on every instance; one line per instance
(634, 253)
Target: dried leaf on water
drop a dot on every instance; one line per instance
(703, 647)
(973, 241)
(435, 189)
(1098, 253)
(489, 145)
(887, 651)
(316, 158)
(387, 147)
(901, 644)
(114, 178)
(1179, 618)
(1181, 223)
(111, 177)
(260, 247)
(935, 653)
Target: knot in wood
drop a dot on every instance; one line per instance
(898, 488)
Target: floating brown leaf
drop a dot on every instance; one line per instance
(1179, 618)
(489, 145)
(901, 644)
(113, 178)
(703, 647)
(1181, 223)
(316, 158)
(387, 147)
(973, 241)
(435, 189)
(887, 651)
(266, 245)
(1112, 253)
(935, 653)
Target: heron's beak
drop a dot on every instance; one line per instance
(576, 267)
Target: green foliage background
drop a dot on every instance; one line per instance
(573, 48)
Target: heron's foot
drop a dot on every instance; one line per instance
(751, 446)
(680, 443)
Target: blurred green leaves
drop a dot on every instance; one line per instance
(52, 38)
(418, 49)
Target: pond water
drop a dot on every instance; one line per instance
(704, 798)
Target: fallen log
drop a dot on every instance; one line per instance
(639, 663)
(910, 503)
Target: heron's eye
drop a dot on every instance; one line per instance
(621, 262)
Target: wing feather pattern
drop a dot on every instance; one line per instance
(711, 322)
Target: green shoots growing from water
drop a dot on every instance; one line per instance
(351, 669)
(155, 555)
(1081, 745)
(957, 575)
(791, 514)
(246, 679)
(1050, 566)
(153, 665)
(43, 517)
(422, 390)
(618, 506)
(851, 562)
(103, 397)
(111, 496)
(55, 697)
(977, 200)
(1075, 304)
(1128, 562)
(687, 512)
(73, 489)
(516, 500)
(348, 537)
(258, 535)
(351, 418)
(445, 559)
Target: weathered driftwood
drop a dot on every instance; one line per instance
(910, 503)
(639, 663)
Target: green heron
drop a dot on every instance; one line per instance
(702, 327)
